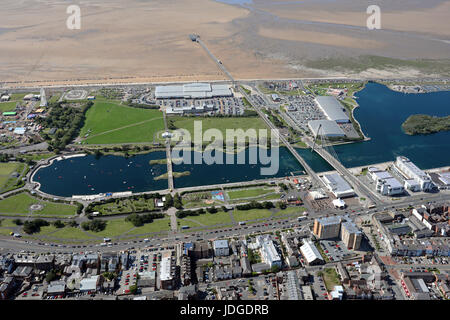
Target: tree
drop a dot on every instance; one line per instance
(18, 222)
(133, 289)
(59, 224)
(51, 276)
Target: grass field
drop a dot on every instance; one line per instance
(290, 211)
(20, 204)
(8, 106)
(114, 228)
(244, 215)
(249, 193)
(156, 226)
(108, 122)
(206, 219)
(221, 124)
(6, 169)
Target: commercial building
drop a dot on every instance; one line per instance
(193, 91)
(311, 254)
(167, 271)
(221, 248)
(351, 235)
(386, 184)
(327, 228)
(276, 98)
(269, 254)
(91, 284)
(189, 110)
(332, 108)
(411, 172)
(338, 186)
(328, 128)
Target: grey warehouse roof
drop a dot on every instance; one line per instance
(193, 90)
(332, 108)
(329, 128)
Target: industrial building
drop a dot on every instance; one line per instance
(189, 110)
(351, 235)
(332, 109)
(327, 227)
(311, 254)
(416, 179)
(328, 128)
(193, 91)
(386, 184)
(338, 186)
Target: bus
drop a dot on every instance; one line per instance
(184, 227)
(242, 223)
(106, 240)
(301, 218)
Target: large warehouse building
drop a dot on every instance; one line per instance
(193, 91)
(332, 109)
(338, 186)
(329, 128)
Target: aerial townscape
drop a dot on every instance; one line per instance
(107, 194)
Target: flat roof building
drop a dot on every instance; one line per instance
(338, 186)
(193, 91)
(411, 171)
(328, 128)
(351, 235)
(332, 108)
(221, 248)
(327, 228)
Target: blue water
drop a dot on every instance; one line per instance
(381, 114)
(88, 175)
(225, 173)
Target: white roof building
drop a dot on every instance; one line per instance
(193, 91)
(411, 171)
(338, 186)
(310, 252)
(89, 284)
(332, 108)
(328, 128)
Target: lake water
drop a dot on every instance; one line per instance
(381, 114)
(89, 175)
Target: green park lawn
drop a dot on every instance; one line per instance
(6, 169)
(290, 211)
(20, 204)
(157, 225)
(70, 233)
(221, 124)
(114, 228)
(206, 219)
(130, 125)
(245, 215)
(8, 106)
(249, 193)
